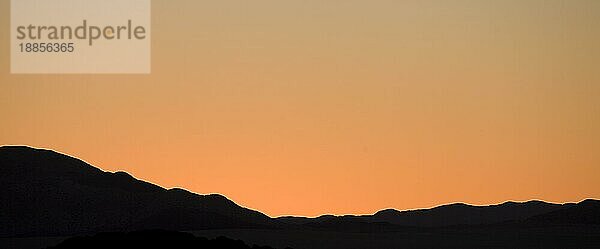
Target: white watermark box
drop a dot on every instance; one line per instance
(80, 36)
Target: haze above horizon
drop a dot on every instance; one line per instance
(343, 107)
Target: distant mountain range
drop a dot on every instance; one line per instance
(44, 193)
(521, 213)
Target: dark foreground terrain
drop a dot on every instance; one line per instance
(152, 239)
(47, 198)
(524, 238)
(575, 237)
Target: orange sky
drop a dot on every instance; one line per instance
(313, 107)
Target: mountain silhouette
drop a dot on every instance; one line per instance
(586, 212)
(46, 193)
(446, 215)
(463, 214)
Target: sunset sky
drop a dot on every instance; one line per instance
(338, 107)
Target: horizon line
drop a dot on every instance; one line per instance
(304, 216)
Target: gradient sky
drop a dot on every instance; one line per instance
(312, 107)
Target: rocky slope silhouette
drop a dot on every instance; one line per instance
(46, 193)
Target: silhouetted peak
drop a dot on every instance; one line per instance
(23, 160)
(327, 216)
(122, 174)
(21, 149)
(218, 197)
(388, 211)
(15, 147)
(536, 202)
(588, 202)
(455, 205)
(517, 203)
(508, 203)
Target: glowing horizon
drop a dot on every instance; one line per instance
(346, 107)
(315, 216)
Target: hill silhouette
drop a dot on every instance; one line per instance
(462, 214)
(586, 212)
(522, 213)
(45, 193)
